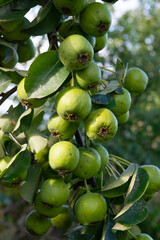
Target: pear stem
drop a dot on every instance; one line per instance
(111, 170)
(109, 70)
(114, 169)
(117, 163)
(121, 159)
(102, 179)
(132, 234)
(107, 170)
(72, 80)
(86, 186)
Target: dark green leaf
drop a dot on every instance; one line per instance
(122, 235)
(119, 91)
(134, 215)
(2, 153)
(38, 116)
(121, 180)
(30, 186)
(9, 145)
(11, 75)
(116, 192)
(111, 87)
(108, 233)
(9, 120)
(138, 186)
(18, 164)
(101, 99)
(24, 121)
(111, 77)
(121, 71)
(16, 9)
(45, 22)
(45, 75)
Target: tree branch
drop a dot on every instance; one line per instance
(7, 94)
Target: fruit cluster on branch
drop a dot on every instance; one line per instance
(72, 179)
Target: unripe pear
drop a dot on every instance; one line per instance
(54, 192)
(63, 156)
(76, 52)
(89, 163)
(23, 97)
(101, 125)
(37, 224)
(26, 51)
(73, 104)
(90, 208)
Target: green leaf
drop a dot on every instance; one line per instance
(16, 9)
(18, 164)
(134, 215)
(45, 22)
(111, 77)
(116, 192)
(120, 227)
(38, 116)
(24, 121)
(3, 84)
(101, 99)
(138, 186)
(45, 75)
(108, 233)
(2, 153)
(11, 75)
(111, 87)
(31, 184)
(9, 52)
(36, 139)
(121, 180)
(121, 71)
(9, 120)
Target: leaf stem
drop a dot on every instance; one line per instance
(15, 140)
(72, 80)
(109, 70)
(7, 94)
(132, 234)
(101, 179)
(86, 186)
(103, 84)
(121, 159)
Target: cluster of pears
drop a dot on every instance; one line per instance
(81, 38)
(16, 44)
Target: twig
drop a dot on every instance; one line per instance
(7, 94)
(79, 138)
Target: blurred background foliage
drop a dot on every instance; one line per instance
(134, 39)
